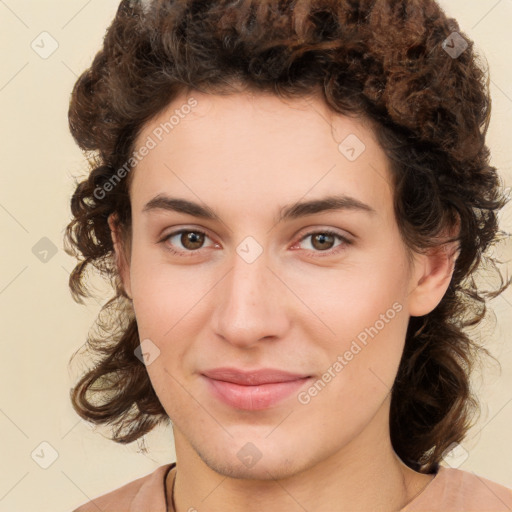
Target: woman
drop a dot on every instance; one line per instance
(291, 200)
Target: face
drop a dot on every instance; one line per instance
(323, 294)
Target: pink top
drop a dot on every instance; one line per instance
(451, 490)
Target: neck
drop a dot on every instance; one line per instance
(365, 474)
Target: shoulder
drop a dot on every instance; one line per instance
(456, 489)
(147, 490)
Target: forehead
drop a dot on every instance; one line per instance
(276, 149)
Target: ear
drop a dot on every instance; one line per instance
(123, 266)
(432, 275)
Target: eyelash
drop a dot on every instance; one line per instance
(320, 254)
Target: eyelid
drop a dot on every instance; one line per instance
(179, 231)
(345, 241)
(311, 230)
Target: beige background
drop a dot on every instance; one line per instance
(42, 326)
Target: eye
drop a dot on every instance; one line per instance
(191, 241)
(322, 242)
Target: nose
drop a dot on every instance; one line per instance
(251, 304)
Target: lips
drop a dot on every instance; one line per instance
(252, 390)
(252, 378)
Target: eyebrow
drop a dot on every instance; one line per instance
(288, 212)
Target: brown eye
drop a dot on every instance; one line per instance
(192, 239)
(185, 242)
(322, 241)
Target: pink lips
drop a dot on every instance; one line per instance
(254, 390)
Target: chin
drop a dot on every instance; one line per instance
(259, 460)
(264, 469)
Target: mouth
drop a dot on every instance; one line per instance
(253, 390)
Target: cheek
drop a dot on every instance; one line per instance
(359, 375)
(364, 323)
(368, 354)
(163, 294)
(169, 309)
(355, 297)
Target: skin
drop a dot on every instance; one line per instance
(296, 307)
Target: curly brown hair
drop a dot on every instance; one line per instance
(386, 61)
